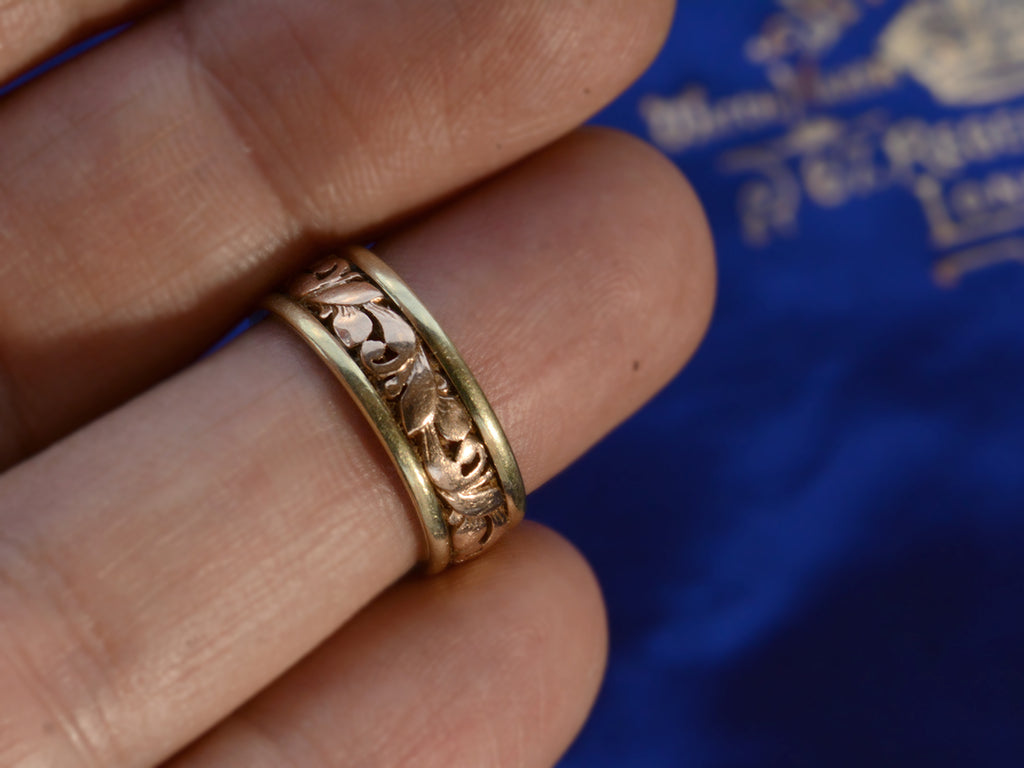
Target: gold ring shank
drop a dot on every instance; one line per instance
(465, 383)
(419, 396)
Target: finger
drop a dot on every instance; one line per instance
(496, 664)
(167, 561)
(30, 30)
(154, 189)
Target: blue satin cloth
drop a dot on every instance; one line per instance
(816, 556)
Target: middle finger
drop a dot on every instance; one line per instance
(153, 189)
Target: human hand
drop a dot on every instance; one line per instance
(213, 569)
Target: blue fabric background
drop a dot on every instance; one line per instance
(815, 556)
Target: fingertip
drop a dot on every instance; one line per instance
(648, 281)
(570, 600)
(629, 33)
(658, 251)
(675, 260)
(561, 600)
(549, 639)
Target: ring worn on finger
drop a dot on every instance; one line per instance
(419, 396)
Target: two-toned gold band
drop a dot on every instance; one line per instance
(418, 394)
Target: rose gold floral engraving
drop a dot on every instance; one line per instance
(407, 376)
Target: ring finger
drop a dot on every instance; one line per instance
(166, 562)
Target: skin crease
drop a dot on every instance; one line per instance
(179, 555)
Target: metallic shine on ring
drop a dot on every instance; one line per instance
(419, 396)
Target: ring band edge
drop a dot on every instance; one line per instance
(461, 377)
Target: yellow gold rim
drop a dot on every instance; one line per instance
(461, 377)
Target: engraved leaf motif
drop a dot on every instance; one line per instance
(352, 326)
(388, 357)
(393, 387)
(347, 294)
(393, 365)
(419, 403)
(472, 461)
(395, 328)
(453, 420)
(329, 270)
(465, 472)
(489, 500)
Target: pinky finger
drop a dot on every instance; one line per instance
(491, 664)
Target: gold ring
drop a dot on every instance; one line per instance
(418, 394)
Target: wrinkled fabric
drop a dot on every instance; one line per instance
(812, 542)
